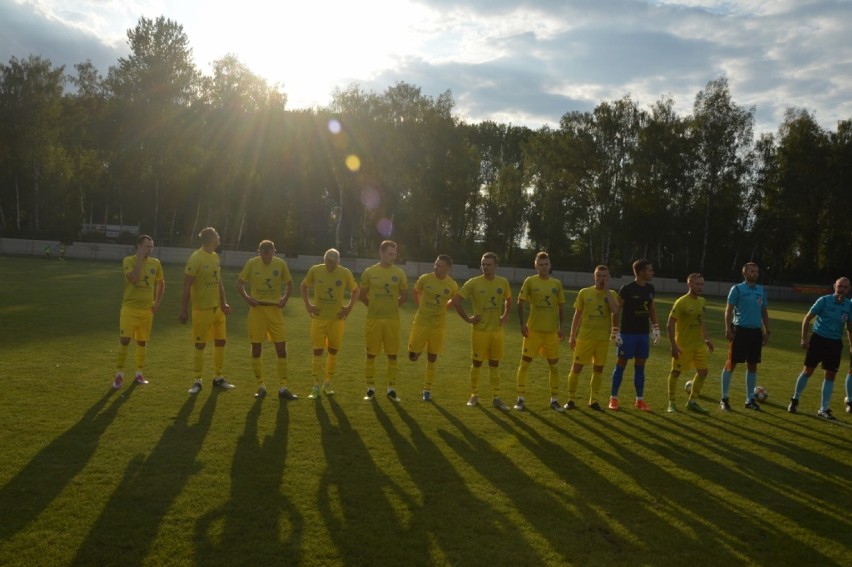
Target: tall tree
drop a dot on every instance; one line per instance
(30, 109)
(722, 133)
(155, 85)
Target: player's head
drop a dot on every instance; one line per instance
(266, 249)
(331, 258)
(751, 272)
(542, 264)
(388, 251)
(488, 263)
(443, 265)
(695, 283)
(145, 242)
(841, 287)
(209, 238)
(643, 269)
(601, 275)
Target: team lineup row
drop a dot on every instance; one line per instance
(602, 316)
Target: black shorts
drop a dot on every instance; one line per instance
(746, 346)
(827, 351)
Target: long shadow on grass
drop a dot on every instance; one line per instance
(685, 488)
(49, 472)
(562, 514)
(253, 516)
(355, 498)
(450, 515)
(125, 530)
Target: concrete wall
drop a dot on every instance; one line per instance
(236, 259)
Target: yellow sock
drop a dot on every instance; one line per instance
(140, 357)
(393, 365)
(257, 368)
(697, 384)
(198, 362)
(316, 365)
(218, 360)
(573, 382)
(595, 385)
(523, 371)
(330, 365)
(281, 370)
(494, 379)
(370, 370)
(121, 357)
(553, 375)
(430, 375)
(475, 376)
(672, 384)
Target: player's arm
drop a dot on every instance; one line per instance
(134, 274)
(523, 323)
(241, 289)
(729, 322)
(559, 330)
(353, 298)
(575, 327)
(222, 301)
(403, 296)
(365, 292)
(306, 298)
(158, 294)
(806, 326)
(764, 314)
(670, 331)
(614, 303)
(507, 309)
(288, 289)
(458, 303)
(184, 298)
(706, 336)
(652, 314)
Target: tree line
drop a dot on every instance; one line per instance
(157, 144)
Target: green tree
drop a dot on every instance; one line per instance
(30, 110)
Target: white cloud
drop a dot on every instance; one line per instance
(520, 61)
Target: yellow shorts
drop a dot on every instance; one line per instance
(540, 343)
(591, 351)
(135, 323)
(486, 345)
(266, 321)
(695, 357)
(326, 333)
(207, 324)
(382, 333)
(430, 338)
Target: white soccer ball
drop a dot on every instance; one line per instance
(760, 394)
(688, 386)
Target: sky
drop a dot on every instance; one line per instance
(521, 62)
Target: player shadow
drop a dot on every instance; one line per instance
(258, 521)
(689, 489)
(357, 501)
(130, 521)
(47, 474)
(556, 516)
(446, 503)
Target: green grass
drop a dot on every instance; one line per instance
(152, 476)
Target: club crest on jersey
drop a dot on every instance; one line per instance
(338, 283)
(500, 290)
(394, 279)
(275, 273)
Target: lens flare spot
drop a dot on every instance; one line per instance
(334, 126)
(385, 227)
(353, 163)
(370, 198)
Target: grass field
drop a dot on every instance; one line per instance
(152, 476)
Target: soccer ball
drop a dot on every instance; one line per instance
(688, 386)
(760, 394)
